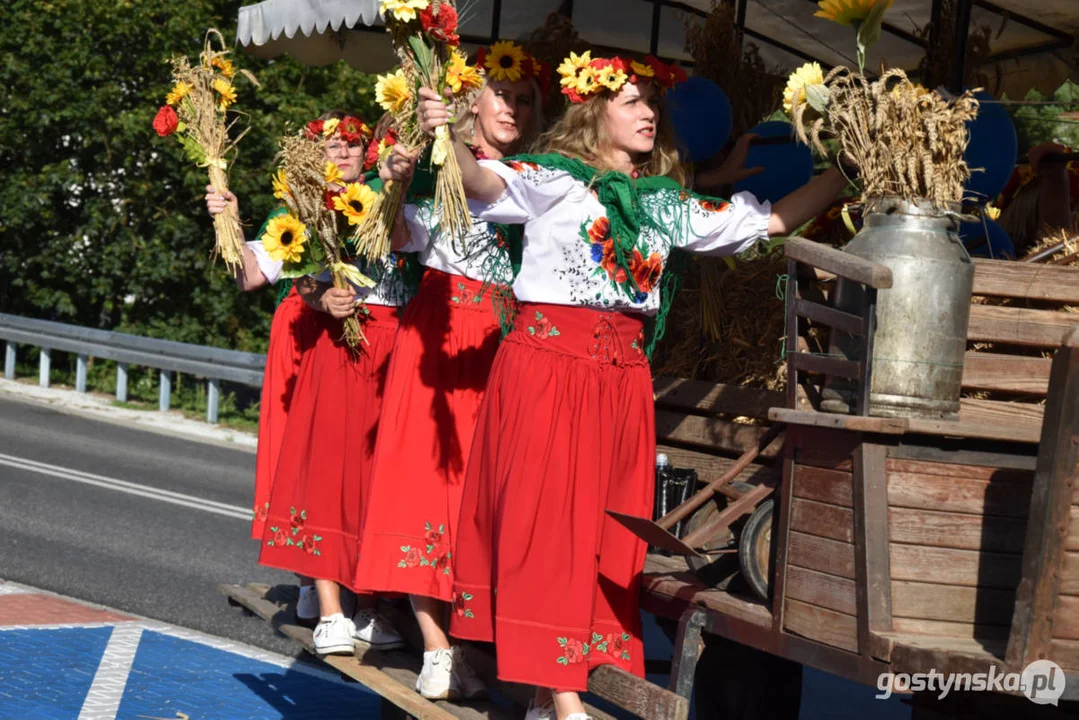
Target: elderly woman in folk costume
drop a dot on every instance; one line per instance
(438, 373)
(566, 429)
(290, 331)
(313, 519)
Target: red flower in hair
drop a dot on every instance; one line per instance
(572, 94)
(314, 129)
(166, 121)
(441, 25)
(481, 57)
(353, 130)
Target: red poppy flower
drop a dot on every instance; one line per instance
(600, 230)
(314, 129)
(441, 26)
(714, 205)
(572, 94)
(328, 197)
(610, 263)
(166, 121)
(646, 273)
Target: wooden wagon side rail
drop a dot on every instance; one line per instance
(1046, 619)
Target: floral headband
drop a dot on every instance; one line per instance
(583, 75)
(506, 60)
(351, 129)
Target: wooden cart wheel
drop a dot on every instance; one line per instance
(755, 549)
(719, 570)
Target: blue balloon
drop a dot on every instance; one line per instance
(984, 238)
(993, 146)
(701, 114)
(787, 166)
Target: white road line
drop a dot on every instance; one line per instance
(211, 506)
(107, 689)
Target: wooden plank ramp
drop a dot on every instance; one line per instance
(392, 675)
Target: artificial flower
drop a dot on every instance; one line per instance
(284, 238)
(587, 82)
(166, 121)
(354, 202)
(504, 61)
(848, 12)
(329, 127)
(381, 150)
(572, 66)
(403, 10)
(224, 65)
(642, 69)
(178, 93)
(333, 174)
(281, 190)
(441, 25)
(314, 129)
(353, 130)
(794, 93)
(392, 91)
(611, 76)
(226, 91)
(461, 76)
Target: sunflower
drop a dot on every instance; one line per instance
(504, 61)
(794, 93)
(179, 92)
(333, 174)
(284, 238)
(848, 12)
(460, 75)
(403, 10)
(392, 92)
(281, 190)
(611, 77)
(226, 91)
(587, 82)
(224, 65)
(571, 67)
(354, 202)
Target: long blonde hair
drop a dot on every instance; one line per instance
(581, 134)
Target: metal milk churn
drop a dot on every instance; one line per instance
(921, 334)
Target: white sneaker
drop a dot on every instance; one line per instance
(544, 712)
(464, 678)
(375, 630)
(434, 679)
(307, 606)
(333, 636)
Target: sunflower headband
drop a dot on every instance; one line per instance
(583, 75)
(351, 129)
(506, 60)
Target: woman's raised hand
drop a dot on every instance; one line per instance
(398, 167)
(217, 202)
(431, 111)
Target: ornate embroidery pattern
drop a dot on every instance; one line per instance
(604, 342)
(459, 600)
(437, 555)
(296, 536)
(645, 272)
(616, 646)
(573, 651)
(542, 329)
(465, 295)
(261, 512)
(638, 342)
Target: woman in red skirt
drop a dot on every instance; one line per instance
(313, 519)
(566, 430)
(437, 376)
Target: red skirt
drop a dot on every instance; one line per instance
(313, 526)
(566, 431)
(438, 374)
(291, 333)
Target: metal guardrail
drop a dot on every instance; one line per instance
(168, 356)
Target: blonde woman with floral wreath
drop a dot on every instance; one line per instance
(567, 426)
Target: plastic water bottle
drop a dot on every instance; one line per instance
(663, 480)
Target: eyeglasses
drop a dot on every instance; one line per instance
(340, 149)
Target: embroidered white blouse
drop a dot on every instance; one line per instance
(481, 255)
(568, 257)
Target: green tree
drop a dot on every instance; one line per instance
(103, 223)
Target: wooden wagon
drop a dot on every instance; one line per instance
(900, 545)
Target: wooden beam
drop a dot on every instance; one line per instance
(839, 263)
(871, 556)
(1019, 326)
(1030, 281)
(1051, 511)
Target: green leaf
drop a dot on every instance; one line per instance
(466, 596)
(318, 538)
(401, 564)
(468, 614)
(441, 528)
(554, 331)
(531, 330)
(539, 315)
(563, 661)
(406, 548)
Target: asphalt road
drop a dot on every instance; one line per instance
(139, 521)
